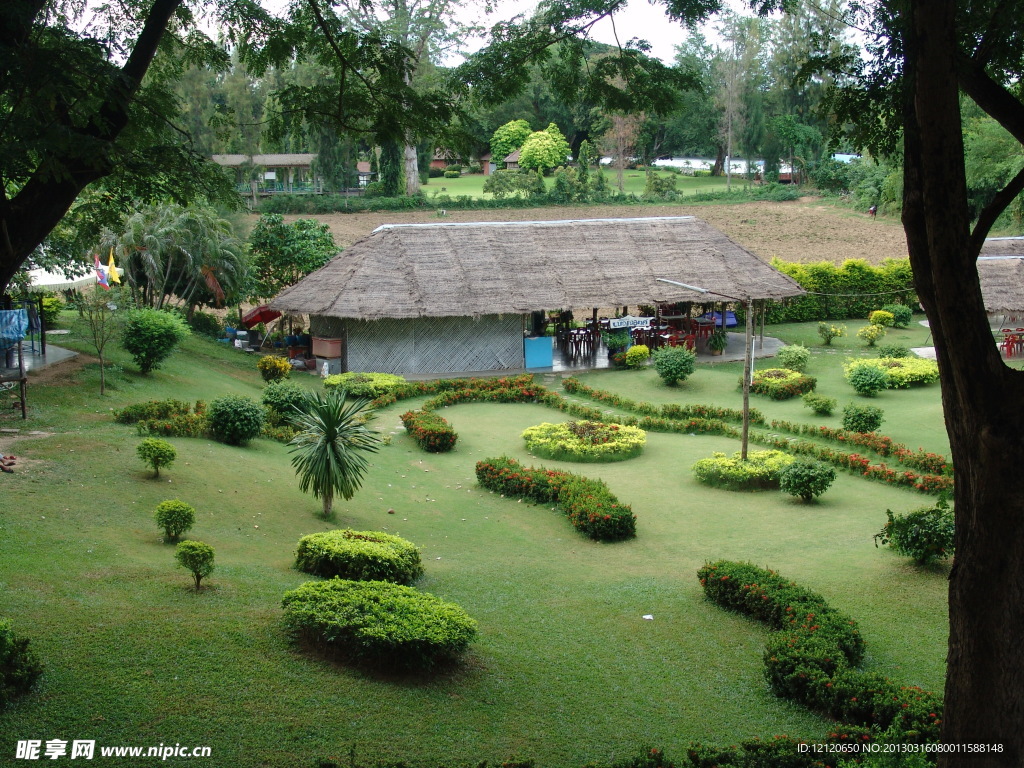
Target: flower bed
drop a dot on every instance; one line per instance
(591, 508)
(903, 372)
(430, 431)
(760, 470)
(585, 441)
(813, 658)
(781, 383)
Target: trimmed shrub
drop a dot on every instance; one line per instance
(781, 383)
(235, 419)
(19, 666)
(862, 418)
(900, 372)
(197, 557)
(369, 385)
(870, 334)
(151, 335)
(806, 479)
(760, 470)
(925, 534)
(793, 357)
(896, 351)
(452, 174)
(378, 622)
(433, 433)
(52, 306)
(828, 332)
(674, 364)
(882, 318)
(281, 398)
(274, 368)
(206, 324)
(868, 380)
(636, 356)
(156, 453)
(175, 517)
(821, 405)
(813, 658)
(591, 508)
(585, 441)
(359, 556)
(902, 315)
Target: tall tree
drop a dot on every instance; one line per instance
(83, 102)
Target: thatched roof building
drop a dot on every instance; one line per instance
(1001, 269)
(452, 297)
(475, 269)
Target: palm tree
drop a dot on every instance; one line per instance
(329, 452)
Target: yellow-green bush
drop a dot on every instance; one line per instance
(585, 441)
(274, 368)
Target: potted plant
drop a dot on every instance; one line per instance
(615, 341)
(718, 341)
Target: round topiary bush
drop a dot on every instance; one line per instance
(674, 364)
(175, 517)
(820, 404)
(274, 368)
(806, 479)
(894, 351)
(862, 418)
(636, 356)
(901, 314)
(585, 441)
(19, 665)
(235, 419)
(150, 335)
(882, 317)
(197, 557)
(780, 383)
(156, 453)
(867, 379)
(794, 357)
(378, 622)
(359, 556)
(760, 470)
(282, 397)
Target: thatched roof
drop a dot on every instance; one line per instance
(1001, 269)
(474, 269)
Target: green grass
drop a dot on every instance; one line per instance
(633, 182)
(565, 669)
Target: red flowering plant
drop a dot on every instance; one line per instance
(432, 432)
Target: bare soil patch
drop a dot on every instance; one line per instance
(802, 231)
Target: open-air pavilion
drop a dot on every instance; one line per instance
(1001, 270)
(451, 298)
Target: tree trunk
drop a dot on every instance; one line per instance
(984, 695)
(412, 170)
(328, 500)
(103, 380)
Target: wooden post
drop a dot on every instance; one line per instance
(748, 363)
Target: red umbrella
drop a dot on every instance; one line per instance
(257, 315)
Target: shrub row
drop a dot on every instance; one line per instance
(760, 470)
(368, 385)
(156, 410)
(359, 556)
(813, 658)
(781, 383)
(902, 372)
(926, 461)
(585, 441)
(378, 622)
(926, 483)
(232, 419)
(668, 411)
(432, 432)
(591, 508)
(855, 279)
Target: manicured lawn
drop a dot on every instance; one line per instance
(565, 669)
(633, 182)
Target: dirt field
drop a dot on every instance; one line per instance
(806, 230)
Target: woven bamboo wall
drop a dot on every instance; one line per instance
(435, 344)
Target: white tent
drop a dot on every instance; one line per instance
(43, 280)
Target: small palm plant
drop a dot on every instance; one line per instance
(330, 451)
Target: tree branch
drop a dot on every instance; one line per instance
(991, 212)
(992, 97)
